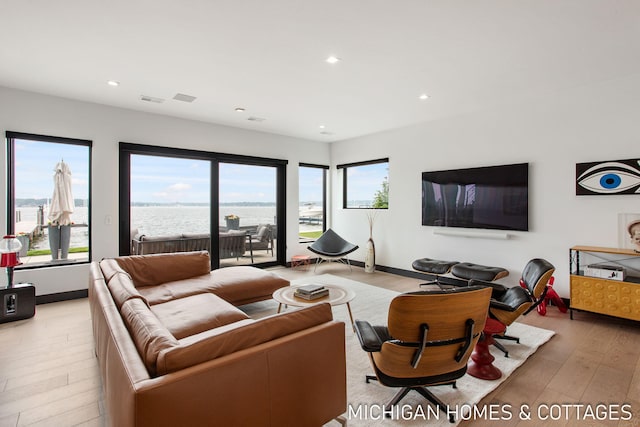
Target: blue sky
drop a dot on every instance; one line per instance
(158, 179)
(35, 163)
(171, 180)
(310, 187)
(364, 181)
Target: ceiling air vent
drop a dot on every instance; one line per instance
(184, 98)
(256, 119)
(151, 99)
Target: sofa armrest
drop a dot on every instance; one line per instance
(155, 269)
(297, 379)
(222, 341)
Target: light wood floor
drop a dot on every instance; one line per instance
(49, 374)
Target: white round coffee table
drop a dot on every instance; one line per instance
(338, 295)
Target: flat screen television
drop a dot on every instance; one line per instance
(494, 197)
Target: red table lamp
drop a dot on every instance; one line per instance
(9, 250)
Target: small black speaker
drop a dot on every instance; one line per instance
(18, 302)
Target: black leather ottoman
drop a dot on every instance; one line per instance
(468, 270)
(433, 266)
(437, 268)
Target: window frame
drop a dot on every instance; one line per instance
(10, 137)
(325, 169)
(345, 184)
(127, 149)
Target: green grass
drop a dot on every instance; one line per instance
(37, 252)
(311, 234)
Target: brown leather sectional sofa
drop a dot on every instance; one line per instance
(174, 350)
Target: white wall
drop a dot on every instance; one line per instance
(106, 126)
(552, 133)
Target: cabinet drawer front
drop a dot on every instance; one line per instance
(620, 299)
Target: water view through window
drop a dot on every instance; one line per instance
(169, 196)
(170, 208)
(247, 210)
(367, 185)
(311, 194)
(51, 199)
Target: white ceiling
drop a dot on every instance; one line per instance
(268, 56)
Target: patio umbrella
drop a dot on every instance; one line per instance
(62, 204)
(60, 211)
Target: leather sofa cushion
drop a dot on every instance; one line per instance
(194, 314)
(110, 268)
(119, 282)
(232, 338)
(151, 270)
(169, 291)
(122, 289)
(148, 334)
(243, 284)
(236, 285)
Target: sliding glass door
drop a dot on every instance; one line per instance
(169, 212)
(175, 200)
(247, 208)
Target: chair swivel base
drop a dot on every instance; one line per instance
(481, 364)
(500, 346)
(423, 391)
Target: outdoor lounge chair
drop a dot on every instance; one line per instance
(332, 247)
(263, 239)
(232, 244)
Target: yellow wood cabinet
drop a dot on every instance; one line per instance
(620, 298)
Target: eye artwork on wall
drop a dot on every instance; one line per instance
(610, 177)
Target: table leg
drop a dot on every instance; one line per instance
(481, 364)
(279, 308)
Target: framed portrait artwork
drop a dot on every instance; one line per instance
(629, 231)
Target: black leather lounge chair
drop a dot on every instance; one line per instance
(507, 304)
(331, 247)
(428, 340)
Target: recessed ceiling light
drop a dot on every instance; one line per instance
(240, 110)
(113, 83)
(424, 96)
(322, 126)
(333, 59)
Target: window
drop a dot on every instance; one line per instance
(312, 210)
(247, 206)
(172, 206)
(48, 201)
(175, 200)
(366, 185)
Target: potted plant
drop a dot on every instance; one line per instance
(59, 240)
(24, 239)
(233, 222)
